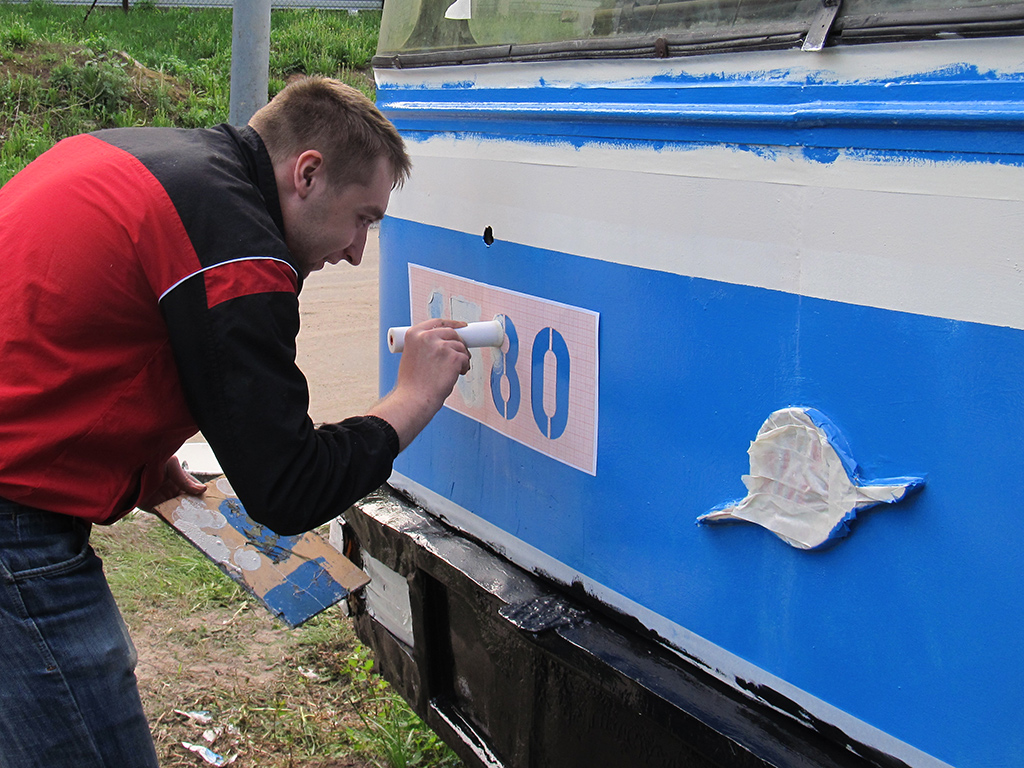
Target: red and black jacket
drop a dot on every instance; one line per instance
(146, 290)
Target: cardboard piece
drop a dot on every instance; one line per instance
(294, 577)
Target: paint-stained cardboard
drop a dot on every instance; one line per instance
(294, 577)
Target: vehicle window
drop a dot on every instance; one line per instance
(411, 26)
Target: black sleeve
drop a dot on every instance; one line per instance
(237, 367)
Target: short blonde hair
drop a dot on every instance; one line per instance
(337, 121)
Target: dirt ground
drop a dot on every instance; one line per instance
(338, 341)
(185, 659)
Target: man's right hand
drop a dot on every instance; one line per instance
(433, 359)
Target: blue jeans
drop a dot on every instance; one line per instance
(68, 694)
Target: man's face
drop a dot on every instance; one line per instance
(330, 224)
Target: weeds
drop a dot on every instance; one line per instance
(16, 36)
(318, 42)
(59, 77)
(97, 85)
(390, 729)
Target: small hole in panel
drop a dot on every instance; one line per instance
(488, 235)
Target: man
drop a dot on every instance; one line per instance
(149, 284)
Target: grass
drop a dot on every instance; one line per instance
(390, 729)
(277, 698)
(61, 75)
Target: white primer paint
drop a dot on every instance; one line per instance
(247, 560)
(387, 598)
(717, 660)
(194, 521)
(938, 239)
(849, 63)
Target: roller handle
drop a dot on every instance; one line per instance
(487, 333)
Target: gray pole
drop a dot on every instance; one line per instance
(250, 58)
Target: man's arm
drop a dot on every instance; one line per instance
(236, 362)
(433, 359)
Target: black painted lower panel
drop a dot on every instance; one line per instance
(511, 672)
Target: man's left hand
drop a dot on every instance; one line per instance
(176, 482)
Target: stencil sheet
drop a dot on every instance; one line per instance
(540, 387)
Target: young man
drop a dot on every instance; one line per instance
(150, 288)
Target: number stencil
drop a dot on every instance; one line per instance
(540, 387)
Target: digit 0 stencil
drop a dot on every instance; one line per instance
(540, 387)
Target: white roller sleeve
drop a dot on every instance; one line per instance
(488, 333)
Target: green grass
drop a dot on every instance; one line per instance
(61, 75)
(389, 729)
(170, 573)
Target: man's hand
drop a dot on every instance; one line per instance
(433, 359)
(176, 482)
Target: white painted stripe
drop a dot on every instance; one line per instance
(854, 63)
(221, 264)
(940, 239)
(719, 662)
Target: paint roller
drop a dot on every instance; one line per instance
(487, 333)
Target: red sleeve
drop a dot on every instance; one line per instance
(246, 277)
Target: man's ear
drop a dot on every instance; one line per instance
(308, 172)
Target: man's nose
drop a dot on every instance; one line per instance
(354, 253)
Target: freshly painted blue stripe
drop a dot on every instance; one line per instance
(962, 112)
(905, 623)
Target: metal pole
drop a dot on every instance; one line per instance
(250, 58)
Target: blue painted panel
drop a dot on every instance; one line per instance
(911, 623)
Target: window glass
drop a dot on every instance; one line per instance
(433, 25)
(853, 7)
